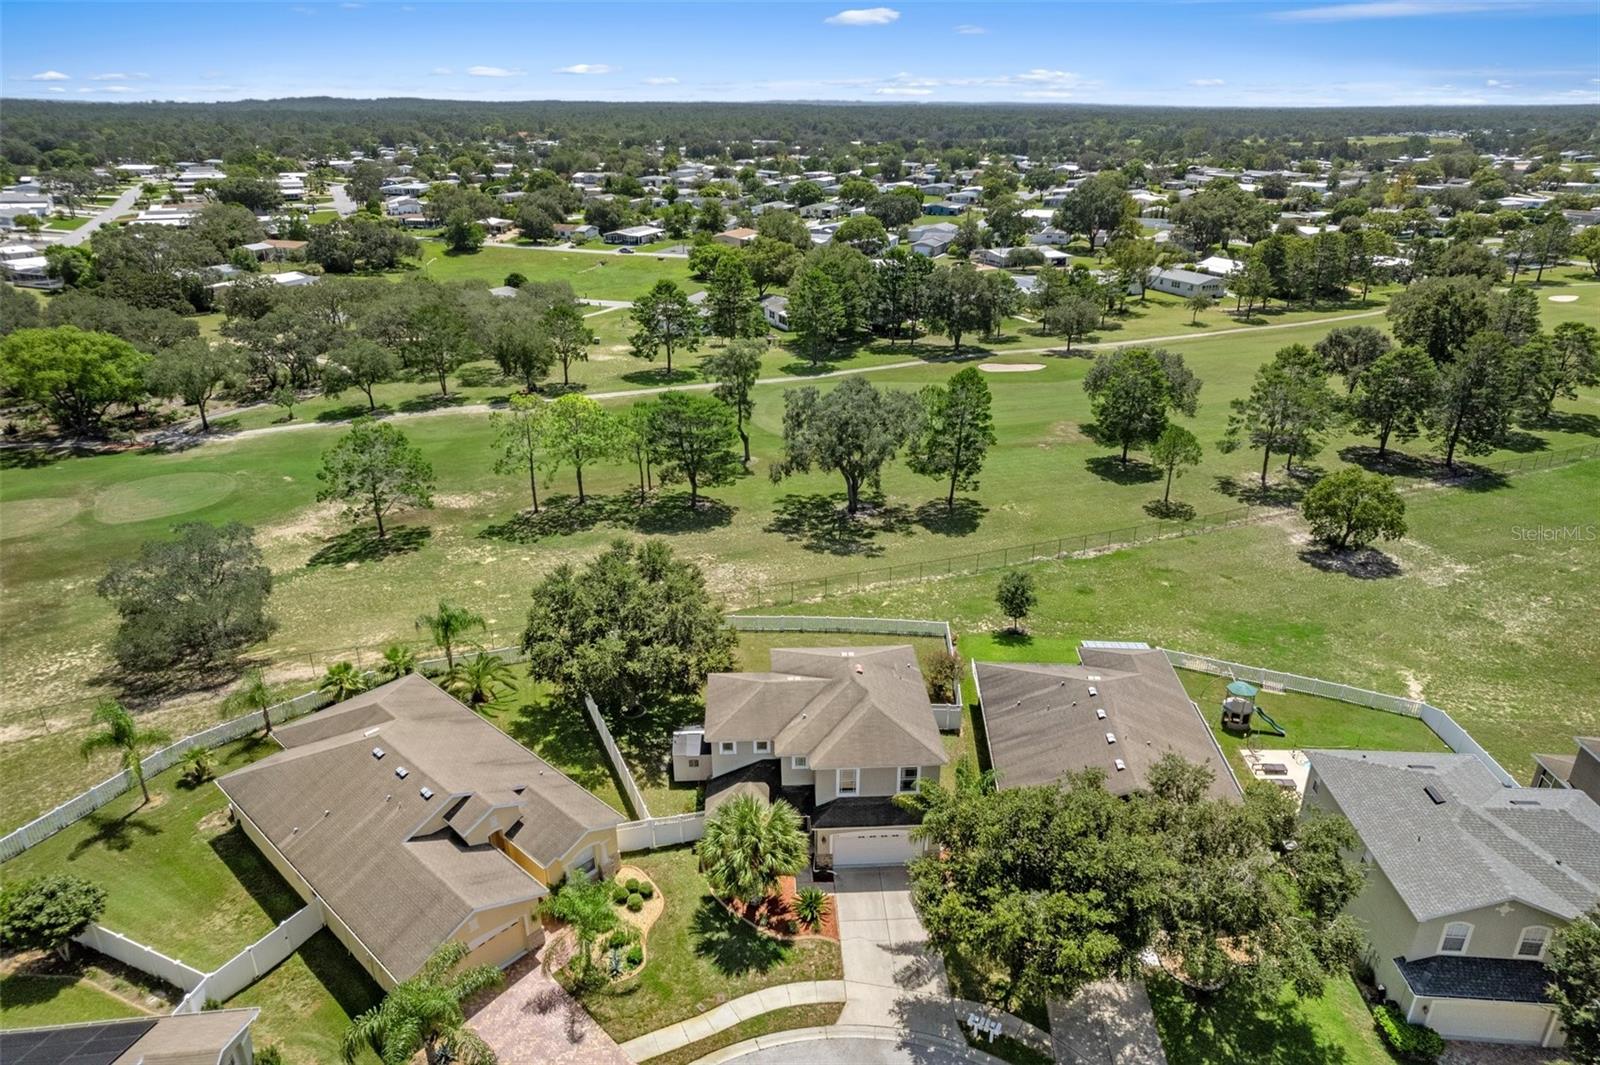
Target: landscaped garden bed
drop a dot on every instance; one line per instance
(779, 914)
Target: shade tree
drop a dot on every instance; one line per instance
(195, 371)
(666, 321)
(693, 439)
(953, 432)
(576, 432)
(736, 368)
(1352, 508)
(518, 437)
(853, 430)
(373, 469)
(1393, 394)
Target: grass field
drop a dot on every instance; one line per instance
(334, 597)
(307, 1002)
(70, 222)
(1334, 1029)
(605, 277)
(28, 1001)
(699, 956)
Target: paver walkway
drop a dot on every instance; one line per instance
(725, 1016)
(533, 1021)
(1107, 1023)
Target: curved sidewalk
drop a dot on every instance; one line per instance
(725, 1016)
(848, 1033)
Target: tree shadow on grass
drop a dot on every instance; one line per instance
(258, 878)
(1365, 563)
(114, 832)
(645, 736)
(1169, 510)
(563, 515)
(657, 376)
(30, 458)
(427, 401)
(363, 545)
(1112, 468)
(1012, 638)
(352, 411)
(558, 730)
(732, 947)
(1564, 421)
(1252, 492)
(942, 520)
(1391, 463)
(818, 522)
(479, 376)
(1236, 1025)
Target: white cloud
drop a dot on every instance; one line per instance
(902, 90)
(1206, 83)
(863, 16)
(119, 88)
(661, 81)
(1038, 75)
(50, 75)
(441, 72)
(86, 88)
(492, 72)
(54, 88)
(1383, 9)
(968, 30)
(1496, 83)
(586, 68)
(119, 77)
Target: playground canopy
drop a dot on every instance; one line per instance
(1242, 689)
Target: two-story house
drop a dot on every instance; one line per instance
(837, 732)
(1467, 881)
(1580, 770)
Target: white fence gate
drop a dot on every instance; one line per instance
(656, 832)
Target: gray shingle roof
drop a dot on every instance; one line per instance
(1490, 979)
(394, 865)
(1042, 722)
(1537, 846)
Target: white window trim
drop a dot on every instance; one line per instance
(1544, 944)
(799, 761)
(763, 746)
(838, 777)
(728, 747)
(1465, 943)
(900, 779)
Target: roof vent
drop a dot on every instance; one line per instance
(1120, 764)
(1100, 712)
(1093, 690)
(371, 732)
(401, 771)
(1111, 737)
(378, 752)
(1524, 802)
(426, 793)
(1434, 793)
(859, 668)
(1418, 765)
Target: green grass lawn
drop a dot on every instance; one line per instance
(177, 878)
(818, 1015)
(71, 222)
(607, 277)
(307, 1002)
(1335, 1029)
(29, 1001)
(335, 598)
(699, 956)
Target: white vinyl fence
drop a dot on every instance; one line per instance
(629, 788)
(80, 806)
(1443, 725)
(656, 832)
(256, 960)
(138, 956)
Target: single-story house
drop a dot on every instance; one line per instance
(1185, 283)
(737, 237)
(1467, 882)
(1119, 710)
(576, 231)
(275, 250)
(404, 207)
(29, 271)
(944, 207)
(635, 235)
(837, 732)
(1219, 266)
(411, 821)
(212, 1037)
(775, 309)
(497, 226)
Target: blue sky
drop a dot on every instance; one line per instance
(1192, 52)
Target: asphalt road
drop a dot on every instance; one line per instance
(907, 1050)
(123, 205)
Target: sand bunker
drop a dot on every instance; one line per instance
(1563, 299)
(1009, 367)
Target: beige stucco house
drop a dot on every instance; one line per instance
(1467, 881)
(837, 732)
(412, 821)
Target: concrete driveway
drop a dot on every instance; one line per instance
(892, 978)
(847, 1046)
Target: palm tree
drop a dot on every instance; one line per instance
(425, 1013)
(749, 844)
(479, 679)
(253, 695)
(398, 661)
(447, 625)
(586, 906)
(124, 735)
(342, 681)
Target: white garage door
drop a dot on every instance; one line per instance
(1498, 1022)
(884, 847)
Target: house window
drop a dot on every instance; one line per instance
(1457, 934)
(847, 781)
(798, 762)
(694, 763)
(1532, 942)
(763, 746)
(909, 775)
(727, 746)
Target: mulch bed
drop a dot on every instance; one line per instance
(779, 913)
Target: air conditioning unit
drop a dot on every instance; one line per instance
(401, 771)
(1111, 737)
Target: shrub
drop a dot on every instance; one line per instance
(811, 905)
(619, 893)
(269, 1055)
(635, 903)
(635, 956)
(515, 280)
(196, 763)
(1412, 1042)
(633, 885)
(647, 889)
(618, 939)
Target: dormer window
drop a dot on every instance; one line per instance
(1457, 934)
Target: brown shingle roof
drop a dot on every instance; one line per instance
(392, 864)
(1042, 723)
(839, 706)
